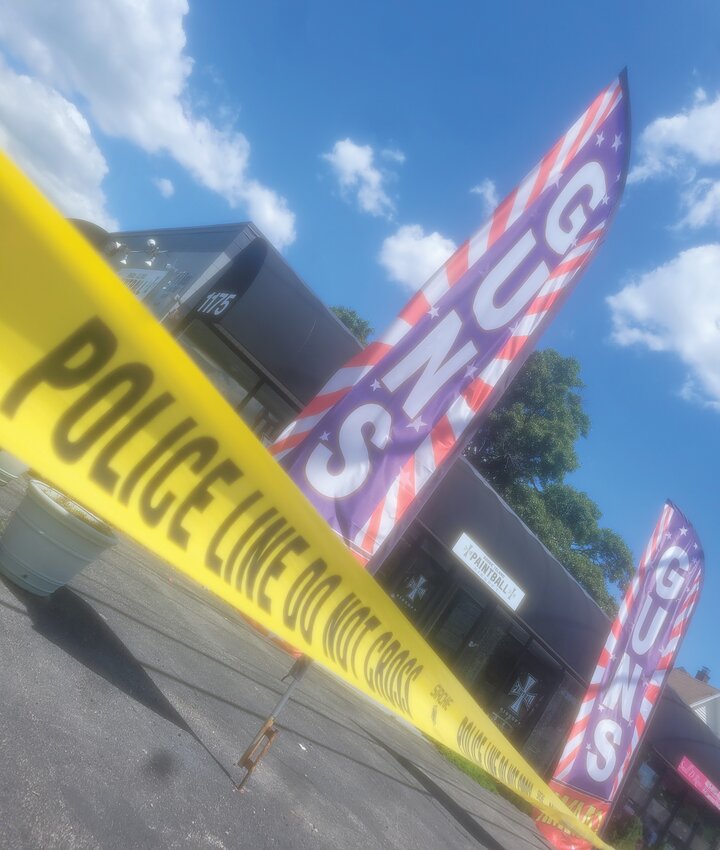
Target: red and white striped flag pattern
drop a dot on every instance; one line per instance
(586, 168)
(635, 661)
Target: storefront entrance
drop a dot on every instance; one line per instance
(525, 690)
(674, 816)
(508, 672)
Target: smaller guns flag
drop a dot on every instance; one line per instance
(375, 435)
(630, 674)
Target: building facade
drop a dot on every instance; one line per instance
(697, 692)
(506, 616)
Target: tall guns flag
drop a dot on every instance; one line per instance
(630, 674)
(378, 431)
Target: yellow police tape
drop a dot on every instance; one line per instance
(99, 399)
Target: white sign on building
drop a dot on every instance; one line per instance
(142, 281)
(489, 573)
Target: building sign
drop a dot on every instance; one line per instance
(489, 573)
(695, 777)
(216, 303)
(141, 281)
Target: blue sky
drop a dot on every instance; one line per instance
(367, 143)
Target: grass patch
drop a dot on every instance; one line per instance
(484, 779)
(625, 834)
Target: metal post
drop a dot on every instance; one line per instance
(267, 733)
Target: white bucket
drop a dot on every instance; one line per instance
(45, 543)
(10, 468)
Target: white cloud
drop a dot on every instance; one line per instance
(354, 166)
(270, 212)
(675, 308)
(393, 155)
(487, 191)
(164, 186)
(702, 204)
(680, 145)
(50, 140)
(410, 256)
(126, 61)
(680, 142)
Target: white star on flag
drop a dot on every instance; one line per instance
(604, 199)
(683, 531)
(616, 144)
(375, 385)
(325, 436)
(470, 371)
(433, 312)
(600, 138)
(417, 424)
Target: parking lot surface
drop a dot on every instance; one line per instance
(127, 697)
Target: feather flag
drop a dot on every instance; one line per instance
(383, 425)
(633, 666)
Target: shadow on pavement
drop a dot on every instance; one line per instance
(461, 815)
(275, 687)
(73, 625)
(67, 621)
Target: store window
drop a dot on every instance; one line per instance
(546, 741)
(417, 583)
(685, 822)
(456, 632)
(674, 816)
(661, 807)
(508, 672)
(233, 376)
(266, 412)
(502, 658)
(259, 404)
(707, 833)
(642, 784)
(522, 698)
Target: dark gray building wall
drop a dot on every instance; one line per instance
(556, 608)
(286, 327)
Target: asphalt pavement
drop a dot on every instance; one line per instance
(127, 697)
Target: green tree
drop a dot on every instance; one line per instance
(357, 326)
(526, 448)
